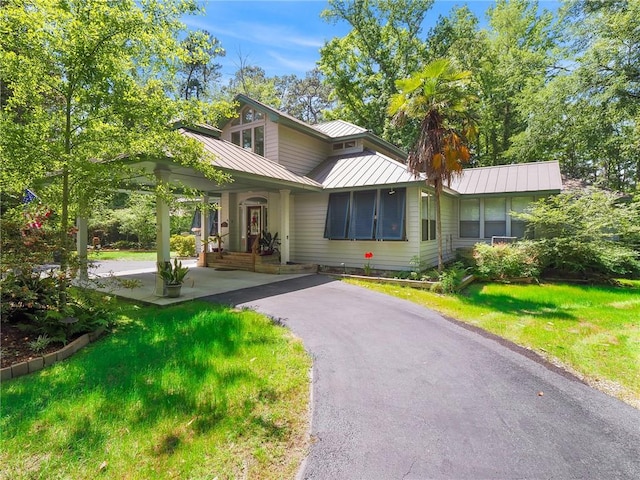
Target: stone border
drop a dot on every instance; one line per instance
(423, 284)
(30, 366)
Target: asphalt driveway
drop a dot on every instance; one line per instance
(399, 392)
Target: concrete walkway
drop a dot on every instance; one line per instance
(200, 282)
(400, 392)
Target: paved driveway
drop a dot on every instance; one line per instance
(400, 392)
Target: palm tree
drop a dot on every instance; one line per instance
(438, 97)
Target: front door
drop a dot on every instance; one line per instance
(254, 225)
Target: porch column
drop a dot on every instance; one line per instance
(82, 238)
(285, 204)
(204, 234)
(163, 230)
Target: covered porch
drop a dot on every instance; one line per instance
(259, 198)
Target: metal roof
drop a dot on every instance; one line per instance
(339, 128)
(234, 158)
(361, 169)
(517, 178)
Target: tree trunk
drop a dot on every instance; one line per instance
(438, 185)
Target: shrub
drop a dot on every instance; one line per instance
(450, 279)
(502, 261)
(573, 256)
(184, 246)
(124, 245)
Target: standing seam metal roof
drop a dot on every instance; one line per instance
(521, 177)
(232, 157)
(339, 128)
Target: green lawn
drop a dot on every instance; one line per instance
(594, 330)
(192, 391)
(122, 255)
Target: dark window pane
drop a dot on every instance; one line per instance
(259, 140)
(235, 138)
(495, 229)
(246, 139)
(432, 231)
(469, 229)
(518, 229)
(337, 215)
(391, 215)
(362, 215)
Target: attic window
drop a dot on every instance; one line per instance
(344, 145)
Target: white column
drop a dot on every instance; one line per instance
(204, 223)
(82, 238)
(163, 230)
(285, 205)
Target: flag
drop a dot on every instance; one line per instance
(29, 196)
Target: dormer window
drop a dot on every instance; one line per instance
(344, 145)
(249, 130)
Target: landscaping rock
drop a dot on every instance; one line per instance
(19, 369)
(5, 374)
(36, 364)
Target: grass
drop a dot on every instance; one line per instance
(122, 255)
(193, 391)
(594, 330)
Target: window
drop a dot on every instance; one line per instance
(519, 227)
(363, 215)
(470, 218)
(337, 216)
(495, 217)
(428, 213)
(344, 145)
(391, 217)
(366, 215)
(249, 138)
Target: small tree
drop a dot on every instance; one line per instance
(437, 96)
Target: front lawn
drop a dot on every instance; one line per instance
(594, 330)
(98, 255)
(192, 391)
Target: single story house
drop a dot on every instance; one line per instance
(335, 191)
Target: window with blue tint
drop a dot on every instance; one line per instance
(337, 216)
(391, 214)
(363, 211)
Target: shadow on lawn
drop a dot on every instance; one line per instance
(163, 369)
(515, 306)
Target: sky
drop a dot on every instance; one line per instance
(285, 36)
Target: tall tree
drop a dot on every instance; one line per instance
(86, 84)
(439, 98)
(198, 70)
(383, 45)
(308, 98)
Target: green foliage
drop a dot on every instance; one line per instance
(40, 344)
(588, 231)
(183, 245)
(449, 279)
(505, 261)
(172, 274)
(269, 243)
(362, 67)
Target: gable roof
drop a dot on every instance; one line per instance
(517, 178)
(361, 169)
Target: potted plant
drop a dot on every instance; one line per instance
(269, 243)
(173, 276)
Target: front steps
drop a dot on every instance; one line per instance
(255, 263)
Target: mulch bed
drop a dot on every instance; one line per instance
(15, 346)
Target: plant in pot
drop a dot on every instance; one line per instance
(173, 276)
(269, 243)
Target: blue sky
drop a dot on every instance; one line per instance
(285, 37)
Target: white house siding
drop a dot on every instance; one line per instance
(449, 216)
(298, 152)
(271, 140)
(309, 245)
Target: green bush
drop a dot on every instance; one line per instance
(450, 279)
(573, 256)
(502, 261)
(184, 246)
